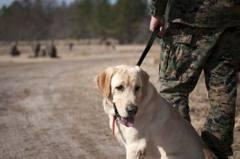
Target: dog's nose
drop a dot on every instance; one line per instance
(132, 110)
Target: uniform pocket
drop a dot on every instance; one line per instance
(183, 39)
(177, 52)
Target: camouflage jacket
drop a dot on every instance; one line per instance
(200, 13)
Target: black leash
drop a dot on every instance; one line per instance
(115, 111)
(148, 47)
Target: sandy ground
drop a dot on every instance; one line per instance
(50, 108)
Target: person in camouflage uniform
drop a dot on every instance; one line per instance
(200, 35)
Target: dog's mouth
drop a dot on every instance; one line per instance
(127, 121)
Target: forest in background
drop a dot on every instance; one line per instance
(126, 20)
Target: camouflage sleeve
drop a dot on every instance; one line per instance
(157, 7)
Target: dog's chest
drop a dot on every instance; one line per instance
(123, 134)
(140, 141)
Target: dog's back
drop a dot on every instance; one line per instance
(174, 134)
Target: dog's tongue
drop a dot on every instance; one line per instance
(128, 121)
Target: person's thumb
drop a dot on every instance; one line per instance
(162, 31)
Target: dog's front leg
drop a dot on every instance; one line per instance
(136, 151)
(135, 154)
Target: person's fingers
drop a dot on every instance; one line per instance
(153, 27)
(162, 31)
(154, 24)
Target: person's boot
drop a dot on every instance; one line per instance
(216, 146)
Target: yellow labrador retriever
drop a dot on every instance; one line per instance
(143, 121)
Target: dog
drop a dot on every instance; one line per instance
(147, 125)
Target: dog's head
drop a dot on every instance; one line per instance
(124, 86)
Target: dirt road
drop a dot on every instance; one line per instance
(51, 109)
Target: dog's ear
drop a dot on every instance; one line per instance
(144, 75)
(103, 81)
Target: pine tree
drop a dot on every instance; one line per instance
(130, 15)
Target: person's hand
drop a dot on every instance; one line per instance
(157, 23)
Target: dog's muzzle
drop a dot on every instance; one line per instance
(132, 110)
(127, 121)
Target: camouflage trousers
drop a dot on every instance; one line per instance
(185, 53)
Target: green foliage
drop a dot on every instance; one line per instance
(46, 19)
(129, 16)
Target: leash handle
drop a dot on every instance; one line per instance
(148, 46)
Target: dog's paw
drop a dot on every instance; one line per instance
(141, 154)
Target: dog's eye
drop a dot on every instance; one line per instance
(120, 88)
(137, 88)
